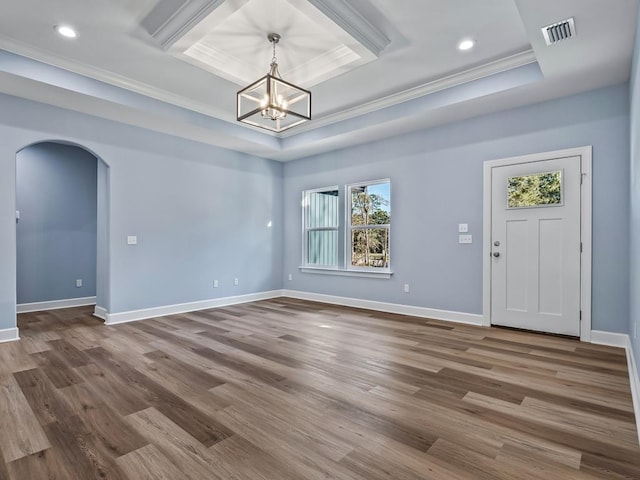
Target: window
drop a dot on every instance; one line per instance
(320, 209)
(369, 221)
(537, 190)
(358, 246)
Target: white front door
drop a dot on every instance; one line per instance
(535, 245)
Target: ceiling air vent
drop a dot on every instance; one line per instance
(559, 31)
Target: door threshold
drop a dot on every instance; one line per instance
(548, 334)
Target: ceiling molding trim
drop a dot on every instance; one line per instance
(492, 68)
(170, 20)
(352, 22)
(112, 79)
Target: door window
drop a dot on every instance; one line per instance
(537, 190)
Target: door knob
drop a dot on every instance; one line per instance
(496, 254)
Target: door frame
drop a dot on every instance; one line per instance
(585, 153)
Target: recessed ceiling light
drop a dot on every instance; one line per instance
(466, 44)
(66, 31)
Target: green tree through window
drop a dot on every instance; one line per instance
(370, 221)
(535, 190)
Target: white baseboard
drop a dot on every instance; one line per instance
(9, 335)
(134, 315)
(457, 317)
(100, 312)
(55, 304)
(620, 340)
(634, 380)
(623, 340)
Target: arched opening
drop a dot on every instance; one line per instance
(61, 228)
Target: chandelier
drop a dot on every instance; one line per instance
(271, 102)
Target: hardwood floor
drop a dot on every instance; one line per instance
(288, 390)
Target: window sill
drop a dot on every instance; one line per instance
(385, 274)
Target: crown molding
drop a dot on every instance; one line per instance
(486, 70)
(170, 20)
(110, 78)
(497, 66)
(352, 22)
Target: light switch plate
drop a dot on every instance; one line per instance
(465, 238)
(132, 240)
(463, 227)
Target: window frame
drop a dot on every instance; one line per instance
(306, 230)
(349, 228)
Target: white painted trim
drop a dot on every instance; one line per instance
(585, 153)
(345, 272)
(460, 78)
(634, 382)
(456, 317)
(620, 340)
(96, 73)
(486, 246)
(100, 312)
(586, 208)
(623, 340)
(9, 335)
(174, 24)
(134, 315)
(352, 22)
(492, 68)
(55, 304)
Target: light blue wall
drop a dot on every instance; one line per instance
(436, 183)
(56, 234)
(634, 283)
(200, 213)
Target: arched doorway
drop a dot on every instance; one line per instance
(61, 227)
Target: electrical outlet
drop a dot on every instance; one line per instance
(235, 281)
(215, 284)
(132, 240)
(465, 238)
(290, 277)
(406, 288)
(79, 282)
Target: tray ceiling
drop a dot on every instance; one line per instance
(224, 36)
(376, 68)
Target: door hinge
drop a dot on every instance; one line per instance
(580, 247)
(582, 175)
(580, 314)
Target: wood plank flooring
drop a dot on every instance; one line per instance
(289, 390)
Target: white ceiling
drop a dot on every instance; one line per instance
(117, 69)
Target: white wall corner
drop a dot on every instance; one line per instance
(9, 335)
(445, 315)
(100, 313)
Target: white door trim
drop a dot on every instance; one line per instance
(585, 230)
